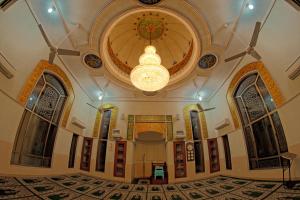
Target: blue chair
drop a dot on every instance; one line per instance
(159, 172)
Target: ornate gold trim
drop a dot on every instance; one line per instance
(41, 67)
(113, 120)
(179, 66)
(165, 121)
(188, 125)
(97, 123)
(266, 77)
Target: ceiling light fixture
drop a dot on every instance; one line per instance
(100, 97)
(250, 6)
(200, 98)
(51, 9)
(149, 75)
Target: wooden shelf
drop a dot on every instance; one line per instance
(213, 155)
(86, 153)
(120, 159)
(179, 159)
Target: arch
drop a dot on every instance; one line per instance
(44, 66)
(150, 136)
(267, 79)
(112, 123)
(159, 128)
(188, 125)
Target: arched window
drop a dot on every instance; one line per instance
(264, 135)
(197, 137)
(38, 127)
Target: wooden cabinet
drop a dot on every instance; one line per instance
(213, 155)
(120, 159)
(179, 159)
(86, 153)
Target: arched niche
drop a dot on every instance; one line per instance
(150, 136)
(155, 128)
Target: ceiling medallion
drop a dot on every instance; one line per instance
(208, 61)
(149, 75)
(92, 60)
(155, 25)
(149, 2)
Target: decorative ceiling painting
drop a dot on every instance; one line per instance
(151, 27)
(208, 61)
(92, 60)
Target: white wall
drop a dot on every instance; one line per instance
(279, 46)
(23, 46)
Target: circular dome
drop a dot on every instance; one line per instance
(125, 39)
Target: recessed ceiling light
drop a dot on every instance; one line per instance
(200, 98)
(50, 10)
(100, 97)
(250, 6)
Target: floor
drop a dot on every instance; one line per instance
(79, 186)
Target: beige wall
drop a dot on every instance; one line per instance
(23, 45)
(278, 52)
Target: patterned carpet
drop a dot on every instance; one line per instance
(79, 186)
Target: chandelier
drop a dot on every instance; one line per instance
(149, 75)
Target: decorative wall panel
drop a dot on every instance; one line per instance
(158, 123)
(130, 127)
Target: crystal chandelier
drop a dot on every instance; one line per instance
(149, 75)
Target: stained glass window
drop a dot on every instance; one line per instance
(38, 127)
(264, 135)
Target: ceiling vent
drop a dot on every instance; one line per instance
(208, 61)
(5, 4)
(295, 4)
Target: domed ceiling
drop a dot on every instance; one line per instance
(125, 37)
(170, 37)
